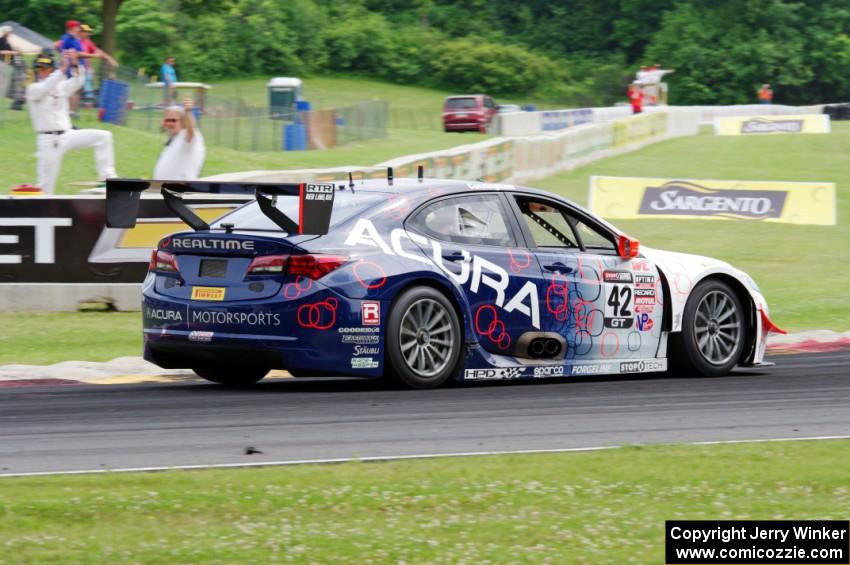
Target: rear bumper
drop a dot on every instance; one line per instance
(320, 333)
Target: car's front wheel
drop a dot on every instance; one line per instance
(232, 376)
(423, 338)
(714, 329)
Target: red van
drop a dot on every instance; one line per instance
(468, 113)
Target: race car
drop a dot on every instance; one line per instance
(424, 280)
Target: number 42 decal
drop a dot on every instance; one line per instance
(618, 313)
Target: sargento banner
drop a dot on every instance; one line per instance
(64, 239)
(811, 203)
(758, 125)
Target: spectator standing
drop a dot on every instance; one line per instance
(765, 94)
(92, 49)
(169, 77)
(182, 158)
(13, 58)
(70, 42)
(635, 95)
(47, 99)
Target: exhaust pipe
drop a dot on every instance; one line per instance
(537, 348)
(552, 348)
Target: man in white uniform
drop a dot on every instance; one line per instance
(184, 152)
(47, 100)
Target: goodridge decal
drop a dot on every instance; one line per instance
(761, 125)
(764, 201)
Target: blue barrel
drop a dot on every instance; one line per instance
(113, 101)
(294, 137)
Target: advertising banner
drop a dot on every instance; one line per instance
(760, 125)
(64, 239)
(811, 203)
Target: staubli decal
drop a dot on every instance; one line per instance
(476, 272)
(688, 199)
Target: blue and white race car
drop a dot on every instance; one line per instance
(425, 280)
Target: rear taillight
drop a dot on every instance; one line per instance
(314, 266)
(310, 266)
(268, 265)
(163, 262)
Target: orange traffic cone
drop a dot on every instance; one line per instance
(26, 190)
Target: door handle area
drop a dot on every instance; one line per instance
(456, 256)
(559, 268)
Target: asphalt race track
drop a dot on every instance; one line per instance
(194, 423)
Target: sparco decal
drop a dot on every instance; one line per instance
(550, 371)
(758, 125)
(233, 318)
(596, 369)
(493, 374)
(689, 199)
(212, 244)
(476, 272)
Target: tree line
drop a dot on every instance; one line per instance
(572, 51)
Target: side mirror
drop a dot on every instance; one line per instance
(627, 247)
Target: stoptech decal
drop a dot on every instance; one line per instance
(689, 199)
(617, 276)
(760, 125)
(643, 366)
(476, 272)
(185, 243)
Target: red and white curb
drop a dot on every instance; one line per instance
(814, 341)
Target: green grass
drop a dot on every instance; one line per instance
(597, 507)
(43, 338)
(136, 153)
(802, 270)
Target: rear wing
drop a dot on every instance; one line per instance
(314, 211)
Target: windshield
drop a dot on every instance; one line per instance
(460, 103)
(346, 205)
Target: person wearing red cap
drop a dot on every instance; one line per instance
(71, 41)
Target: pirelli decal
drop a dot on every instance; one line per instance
(211, 293)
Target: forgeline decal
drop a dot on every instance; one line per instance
(247, 318)
(163, 314)
(477, 271)
(212, 244)
(594, 369)
(364, 363)
(211, 293)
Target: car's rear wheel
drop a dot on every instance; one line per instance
(423, 338)
(714, 330)
(232, 376)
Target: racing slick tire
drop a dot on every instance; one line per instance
(424, 339)
(714, 330)
(231, 376)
